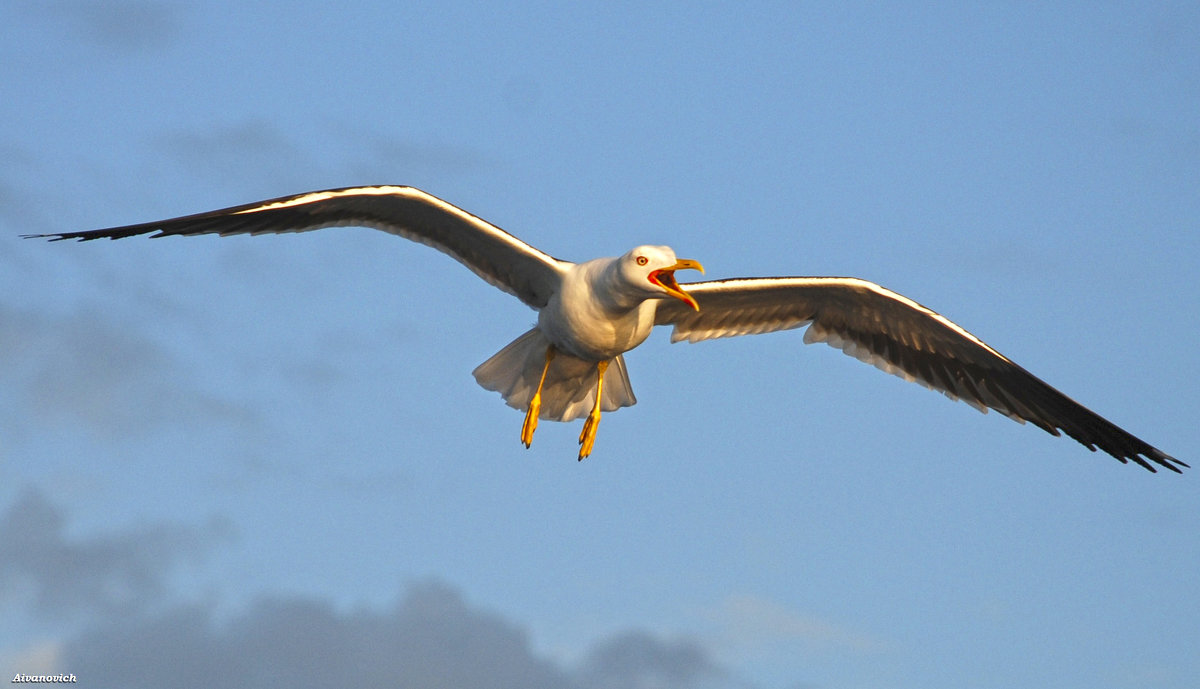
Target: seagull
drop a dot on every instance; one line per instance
(571, 365)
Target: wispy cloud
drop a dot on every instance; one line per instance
(749, 621)
(84, 371)
(259, 150)
(120, 25)
(379, 157)
(20, 211)
(41, 657)
(107, 575)
(249, 149)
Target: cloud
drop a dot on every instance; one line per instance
(108, 575)
(257, 149)
(21, 210)
(79, 369)
(376, 156)
(431, 639)
(754, 622)
(249, 139)
(240, 153)
(38, 658)
(16, 210)
(638, 659)
(122, 25)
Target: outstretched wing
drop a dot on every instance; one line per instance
(903, 338)
(493, 254)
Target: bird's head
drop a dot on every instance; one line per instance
(652, 268)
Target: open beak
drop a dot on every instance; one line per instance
(665, 278)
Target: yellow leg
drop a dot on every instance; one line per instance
(535, 404)
(587, 437)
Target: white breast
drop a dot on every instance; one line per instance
(584, 317)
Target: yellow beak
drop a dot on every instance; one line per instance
(665, 278)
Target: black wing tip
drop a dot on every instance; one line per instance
(1146, 456)
(1144, 459)
(63, 236)
(1172, 463)
(109, 233)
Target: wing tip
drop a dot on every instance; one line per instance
(1171, 463)
(1144, 459)
(64, 236)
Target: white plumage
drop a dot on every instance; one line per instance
(569, 391)
(571, 365)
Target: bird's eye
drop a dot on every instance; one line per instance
(642, 260)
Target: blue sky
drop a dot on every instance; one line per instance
(268, 452)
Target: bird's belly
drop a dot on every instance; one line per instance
(595, 335)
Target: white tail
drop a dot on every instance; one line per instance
(570, 388)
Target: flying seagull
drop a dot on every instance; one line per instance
(571, 364)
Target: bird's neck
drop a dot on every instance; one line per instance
(613, 293)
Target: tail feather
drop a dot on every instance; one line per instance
(570, 389)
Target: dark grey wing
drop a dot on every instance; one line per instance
(493, 254)
(903, 338)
